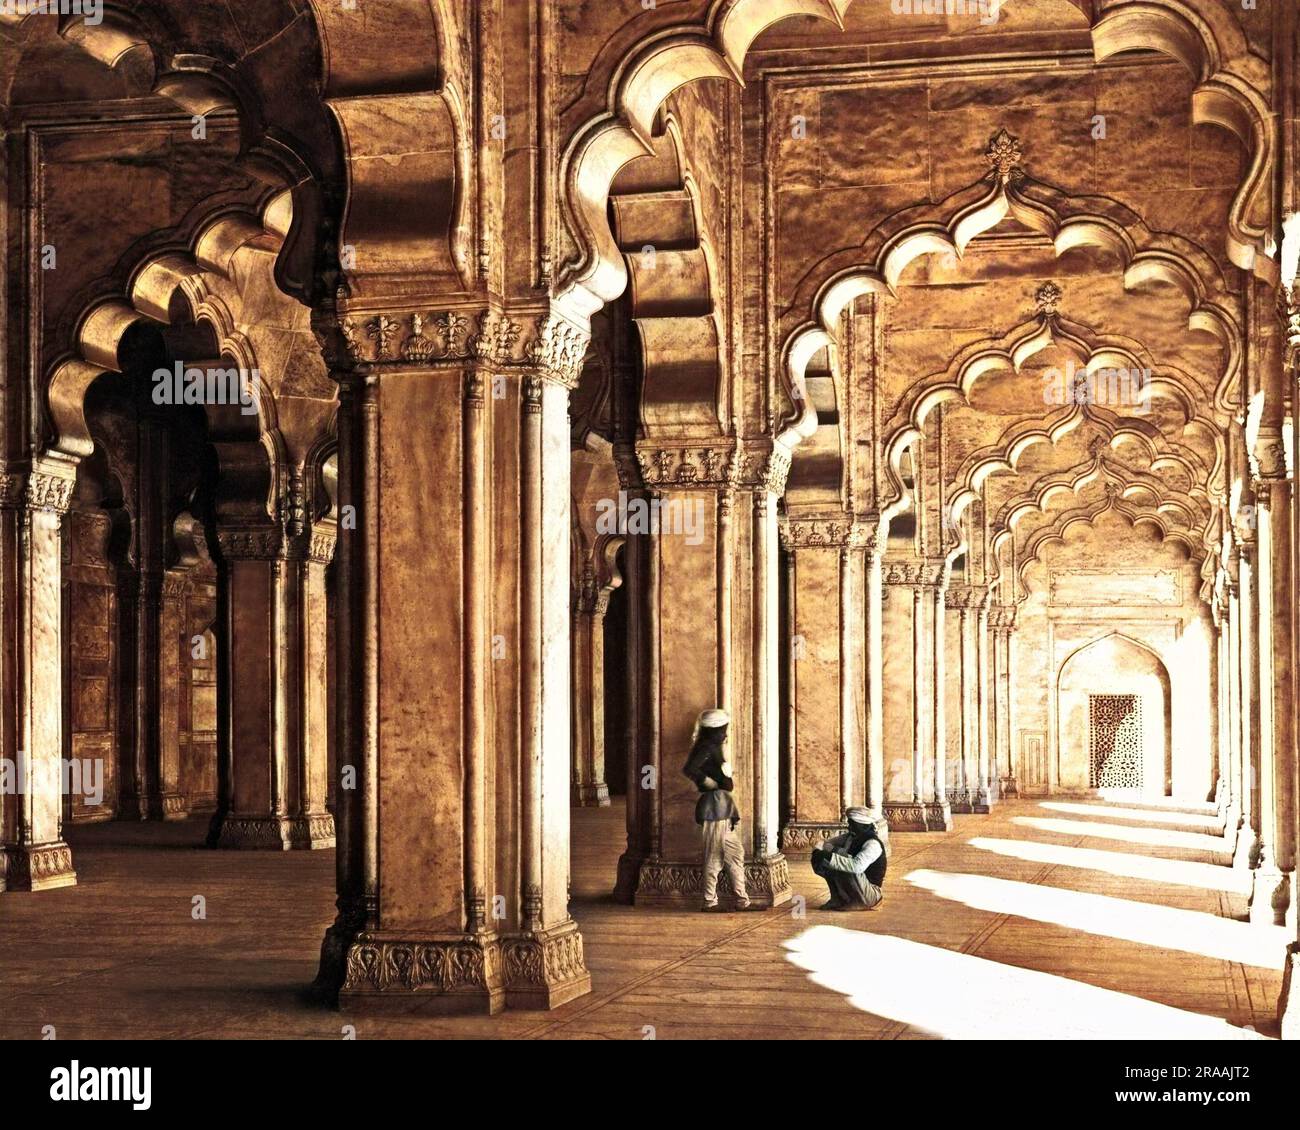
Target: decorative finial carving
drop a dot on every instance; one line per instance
(1048, 299)
(1004, 156)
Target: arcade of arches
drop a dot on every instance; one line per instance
(916, 386)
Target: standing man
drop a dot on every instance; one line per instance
(715, 812)
(853, 864)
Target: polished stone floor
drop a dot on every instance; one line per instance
(1045, 919)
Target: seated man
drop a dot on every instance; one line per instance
(853, 864)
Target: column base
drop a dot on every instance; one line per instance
(544, 969)
(445, 974)
(338, 941)
(799, 837)
(591, 796)
(273, 833)
(664, 883)
(37, 867)
(1008, 786)
(629, 869)
(1269, 895)
(1243, 854)
(960, 800)
(172, 807)
(1231, 822)
(918, 816)
(1288, 1004)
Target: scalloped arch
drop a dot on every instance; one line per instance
(1088, 515)
(657, 66)
(1011, 351)
(152, 293)
(1139, 490)
(948, 227)
(1232, 91)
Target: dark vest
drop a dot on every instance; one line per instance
(875, 874)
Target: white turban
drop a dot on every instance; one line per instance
(712, 719)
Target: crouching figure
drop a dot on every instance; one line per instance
(853, 864)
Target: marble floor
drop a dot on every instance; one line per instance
(1045, 919)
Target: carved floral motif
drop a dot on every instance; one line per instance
(430, 966)
(917, 574)
(712, 467)
(799, 533)
(1004, 155)
(545, 342)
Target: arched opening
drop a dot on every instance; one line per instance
(1113, 721)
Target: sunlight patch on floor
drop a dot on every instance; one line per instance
(1104, 916)
(1137, 800)
(960, 997)
(1161, 837)
(1204, 876)
(1212, 824)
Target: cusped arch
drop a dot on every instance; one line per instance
(1009, 353)
(1137, 487)
(1148, 258)
(168, 289)
(659, 64)
(287, 142)
(1089, 515)
(1233, 91)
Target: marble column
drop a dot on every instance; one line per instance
(1231, 806)
(1288, 1008)
(928, 809)
(638, 795)
(1240, 790)
(965, 788)
(275, 675)
(173, 639)
(828, 764)
(1271, 883)
(591, 601)
(144, 795)
(712, 598)
(1001, 741)
(1007, 622)
(939, 691)
(984, 711)
(453, 628)
(33, 855)
(1248, 667)
(873, 576)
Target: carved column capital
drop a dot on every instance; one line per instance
(845, 533)
(319, 547)
(251, 543)
(920, 573)
(967, 598)
(720, 464)
(50, 487)
(478, 335)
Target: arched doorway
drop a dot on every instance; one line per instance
(1113, 720)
